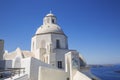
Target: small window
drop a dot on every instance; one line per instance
(57, 43)
(53, 21)
(60, 64)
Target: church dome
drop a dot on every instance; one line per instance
(49, 25)
(50, 28)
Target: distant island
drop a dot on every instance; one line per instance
(107, 65)
(118, 71)
(105, 71)
(97, 66)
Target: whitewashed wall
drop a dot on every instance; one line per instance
(37, 41)
(62, 38)
(26, 64)
(60, 56)
(52, 74)
(34, 68)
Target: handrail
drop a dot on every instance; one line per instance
(11, 72)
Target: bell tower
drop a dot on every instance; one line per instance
(49, 19)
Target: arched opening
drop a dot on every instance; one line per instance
(53, 21)
(43, 44)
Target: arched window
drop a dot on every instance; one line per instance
(48, 20)
(43, 44)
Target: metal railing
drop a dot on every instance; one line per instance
(10, 72)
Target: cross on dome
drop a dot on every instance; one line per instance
(50, 11)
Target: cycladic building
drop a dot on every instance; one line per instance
(50, 57)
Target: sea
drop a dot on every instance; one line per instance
(107, 72)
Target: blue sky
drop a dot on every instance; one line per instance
(92, 26)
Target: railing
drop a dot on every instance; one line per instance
(10, 72)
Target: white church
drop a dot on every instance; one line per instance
(49, 58)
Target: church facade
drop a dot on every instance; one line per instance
(49, 58)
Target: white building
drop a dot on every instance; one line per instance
(49, 58)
